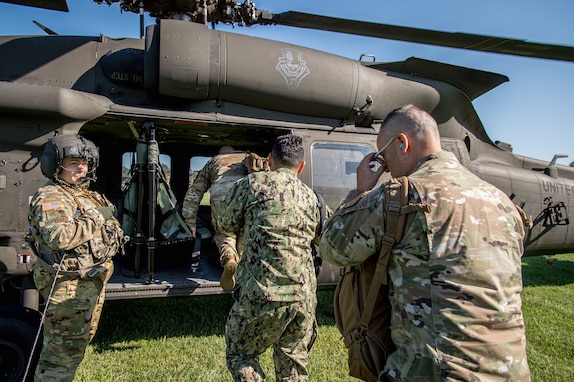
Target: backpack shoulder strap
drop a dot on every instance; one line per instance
(396, 197)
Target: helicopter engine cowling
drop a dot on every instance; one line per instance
(194, 62)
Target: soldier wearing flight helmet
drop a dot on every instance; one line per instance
(77, 236)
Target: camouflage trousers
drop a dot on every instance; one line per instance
(289, 327)
(226, 245)
(71, 319)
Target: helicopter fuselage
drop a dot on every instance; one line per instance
(200, 89)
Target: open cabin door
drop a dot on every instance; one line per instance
(151, 215)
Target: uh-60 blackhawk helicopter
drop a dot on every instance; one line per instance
(159, 106)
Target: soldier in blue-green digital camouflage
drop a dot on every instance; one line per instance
(77, 235)
(275, 301)
(455, 274)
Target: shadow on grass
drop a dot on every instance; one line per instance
(202, 316)
(537, 272)
(177, 317)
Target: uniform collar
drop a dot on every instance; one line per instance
(438, 155)
(285, 169)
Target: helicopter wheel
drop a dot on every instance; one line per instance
(18, 328)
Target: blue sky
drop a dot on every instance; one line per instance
(533, 111)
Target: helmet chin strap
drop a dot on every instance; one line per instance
(90, 178)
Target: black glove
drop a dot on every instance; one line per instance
(107, 212)
(317, 261)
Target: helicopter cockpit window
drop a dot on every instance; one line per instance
(334, 168)
(129, 161)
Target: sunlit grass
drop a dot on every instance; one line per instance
(182, 339)
(549, 314)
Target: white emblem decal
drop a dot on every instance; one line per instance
(292, 67)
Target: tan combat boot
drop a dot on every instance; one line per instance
(227, 281)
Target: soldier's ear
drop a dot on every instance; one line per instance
(270, 161)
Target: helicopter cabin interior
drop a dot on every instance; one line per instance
(331, 161)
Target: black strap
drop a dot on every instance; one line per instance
(322, 209)
(317, 261)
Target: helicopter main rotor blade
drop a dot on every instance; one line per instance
(423, 36)
(56, 5)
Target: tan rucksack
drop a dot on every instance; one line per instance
(255, 163)
(364, 287)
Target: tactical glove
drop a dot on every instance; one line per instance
(107, 212)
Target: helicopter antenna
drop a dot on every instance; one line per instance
(45, 29)
(556, 156)
(551, 170)
(141, 19)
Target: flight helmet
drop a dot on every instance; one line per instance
(68, 145)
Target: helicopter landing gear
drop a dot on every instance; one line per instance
(18, 328)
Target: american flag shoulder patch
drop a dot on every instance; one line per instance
(47, 206)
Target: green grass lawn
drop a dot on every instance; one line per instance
(182, 339)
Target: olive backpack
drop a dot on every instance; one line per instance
(361, 303)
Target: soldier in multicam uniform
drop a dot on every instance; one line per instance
(276, 298)
(76, 235)
(218, 176)
(456, 273)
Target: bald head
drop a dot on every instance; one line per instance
(226, 149)
(419, 124)
(417, 135)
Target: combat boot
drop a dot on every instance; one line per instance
(227, 281)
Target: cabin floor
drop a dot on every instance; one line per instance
(175, 273)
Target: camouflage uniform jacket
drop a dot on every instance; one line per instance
(59, 225)
(218, 176)
(280, 216)
(455, 275)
